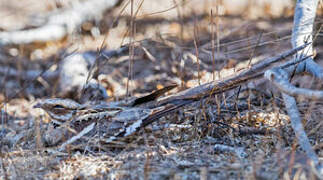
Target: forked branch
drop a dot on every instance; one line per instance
(302, 30)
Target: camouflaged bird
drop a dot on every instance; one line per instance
(115, 120)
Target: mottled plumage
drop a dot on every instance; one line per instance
(112, 120)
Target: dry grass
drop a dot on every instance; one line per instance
(249, 137)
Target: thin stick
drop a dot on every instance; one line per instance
(131, 49)
(197, 51)
(212, 45)
(217, 33)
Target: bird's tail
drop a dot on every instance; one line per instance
(155, 115)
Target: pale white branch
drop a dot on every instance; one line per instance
(60, 23)
(280, 79)
(304, 16)
(296, 122)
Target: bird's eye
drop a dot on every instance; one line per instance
(58, 106)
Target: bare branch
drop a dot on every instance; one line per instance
(296, 122)
(256, 71)
(59, 24)
(302, 32)
(279, 78)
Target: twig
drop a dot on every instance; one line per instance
(195, 33)
(212, 45)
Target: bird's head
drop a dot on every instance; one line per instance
(60, 110)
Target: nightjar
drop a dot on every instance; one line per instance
(110, 120)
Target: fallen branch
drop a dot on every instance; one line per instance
(208, 89)
(280, 79)
(60, 23)
(302, 30)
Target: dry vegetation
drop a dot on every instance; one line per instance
(242, 134)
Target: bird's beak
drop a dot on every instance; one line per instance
(38, 105)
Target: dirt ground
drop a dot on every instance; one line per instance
(248, 137)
